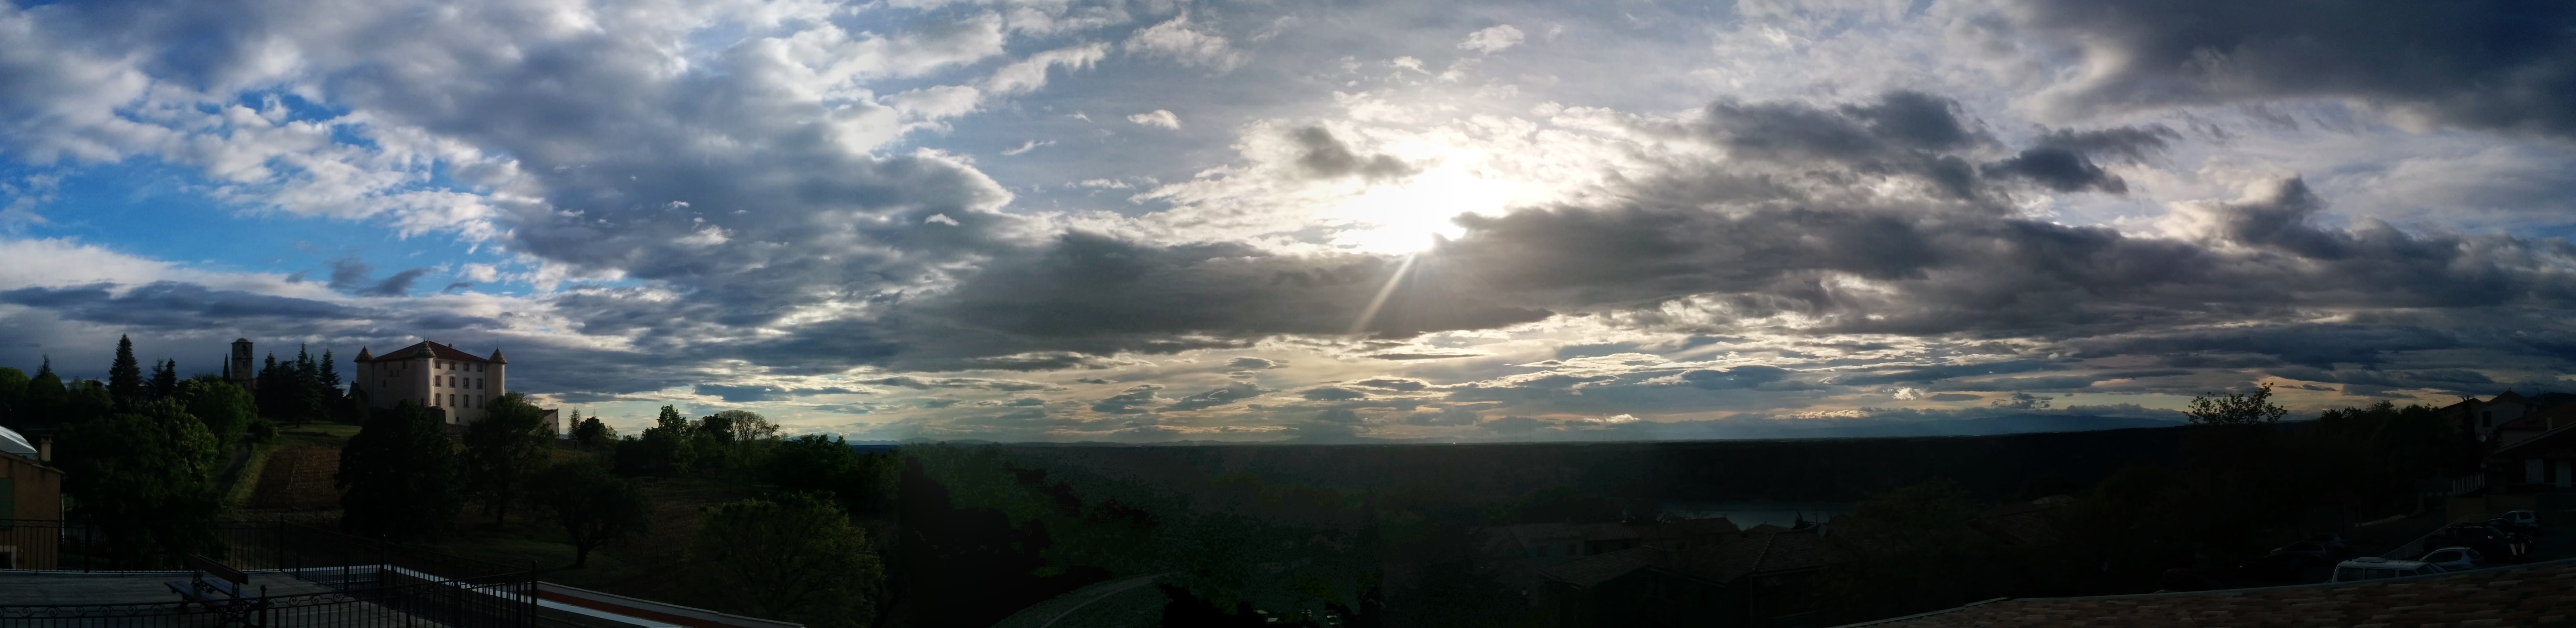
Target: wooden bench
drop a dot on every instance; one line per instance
(223, 594)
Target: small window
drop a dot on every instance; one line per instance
(2376, 574)
(2349, 574)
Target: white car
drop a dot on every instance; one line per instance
(2455, 558)
(2375, 568)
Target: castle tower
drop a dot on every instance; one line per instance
(244, 373)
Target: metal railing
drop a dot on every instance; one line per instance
(338, 579)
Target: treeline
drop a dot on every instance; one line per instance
(798, 551)
(139, 452)
(2242, 485)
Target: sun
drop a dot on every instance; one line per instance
(1404, 218)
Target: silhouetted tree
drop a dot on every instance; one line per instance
(827, 465)
(592, 506)
(165, 379)
(665, 449)
(125, 377)
(503, 450)
(2236, 408)
(398, 476)
(13, 396)
(796, 559)
(146, 477)
(591, 433)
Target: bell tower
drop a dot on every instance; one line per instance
(244, 373)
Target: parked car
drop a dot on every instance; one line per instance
(2494, 544)
(2525, 521)
(2455, 558)
(2375, 568)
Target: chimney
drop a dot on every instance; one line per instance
(45, 448)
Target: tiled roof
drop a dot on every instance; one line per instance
(1774, 552)
(2536, 594)
(439, 351)
(1599, 568)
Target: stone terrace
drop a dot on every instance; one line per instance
(2527, 595)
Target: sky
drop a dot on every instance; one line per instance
(1064, 220)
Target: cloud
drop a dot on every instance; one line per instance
(2464, 64)
(1134, 400)
(1231, 393)
(926, 383)
(1159, 117)
(1028, 146)
(1253, 364)
(1326, 156)
(1492, 39)
(354, 277)
(1332, 393)
(1184, 42)
(760, 392)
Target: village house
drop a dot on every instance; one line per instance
(31, 489)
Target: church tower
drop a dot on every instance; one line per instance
(243, 372)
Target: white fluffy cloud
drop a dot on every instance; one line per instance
(1157, 118)
(1492, 40)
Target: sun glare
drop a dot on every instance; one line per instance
(1403, 218)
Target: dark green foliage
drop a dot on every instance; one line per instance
(2236, 408)
(165, 380)
(398, 476)
(292, 392)
(146, 475)
(125, 376)
(226, 409)
(860, 483)
(665, 449)
(795, 559)
(13, 396)
(503, 450)
(591, 433)
(1910, 550)
(41, 406)
(593, 506)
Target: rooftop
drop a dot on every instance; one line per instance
(2524, 595)
(440, 351)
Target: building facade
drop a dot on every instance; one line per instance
(456, 384)
(31, 489)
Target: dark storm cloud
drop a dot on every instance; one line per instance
(1098, 295)
(1325, 156)
(175, 305)
(1749, 376)
(1132, 401)
(747, 393)
(1902, 132)
(1332, 393)
(1253, 364)
(356, 277)
(1393, 383)
(1952, 397)
(926, 383)
(2494, 64)
(1231, 393)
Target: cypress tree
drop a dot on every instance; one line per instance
(125, 377)
(165, 379)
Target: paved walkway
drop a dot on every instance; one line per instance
(27, 588)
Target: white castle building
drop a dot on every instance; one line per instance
(437, 376)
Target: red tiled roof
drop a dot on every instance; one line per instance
(2536, 594)
(439, 351)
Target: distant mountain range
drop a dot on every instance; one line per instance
(1731, 429)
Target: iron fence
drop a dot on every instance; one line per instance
(331, 579)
